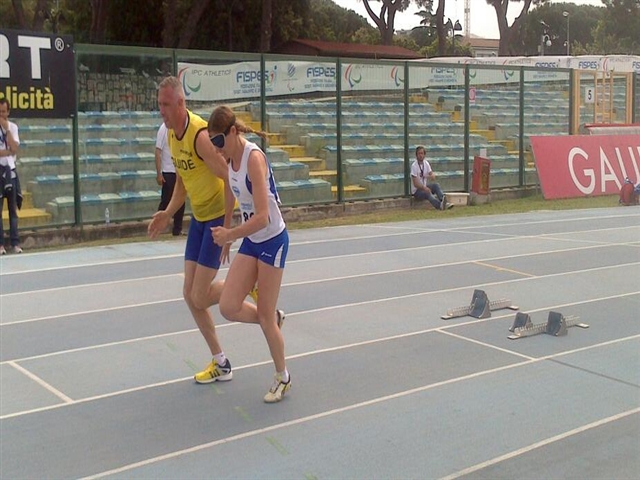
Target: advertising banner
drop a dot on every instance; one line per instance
(585, 165)
(242, 80)
(37, 74)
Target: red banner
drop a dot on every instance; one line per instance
(586, 165)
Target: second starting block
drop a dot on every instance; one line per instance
(556, 325)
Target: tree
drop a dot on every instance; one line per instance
(266, 30)
(583, 20)
(191, 26)
(426, 32)
(442, 33)
(39, 15)
(169, 8)
(618, 32)
(40, 10)
(386, 19)
(510, 35)
(324, 20)
(99, 17)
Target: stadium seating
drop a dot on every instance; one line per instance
(116, 149)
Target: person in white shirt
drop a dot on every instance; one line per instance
(166, 177)
(9, 182)
(423, 182)
(265, 241)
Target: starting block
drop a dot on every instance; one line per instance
(480, 307)
(556, 325)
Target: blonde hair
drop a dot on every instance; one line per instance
(223, 118)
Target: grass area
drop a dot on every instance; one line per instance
(501, 207)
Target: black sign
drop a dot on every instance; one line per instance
(37, 74)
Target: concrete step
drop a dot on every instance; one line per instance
(328, 175)
(508, 144)
(488, 134)
(27, 200)
(294, 151)
(246, 117)
(276, 139)
(27, 217)
(315, 164)
(350, 191)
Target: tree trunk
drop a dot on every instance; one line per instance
(169, 29)
(266, 30)
(39, 15)
(387, 38)
(189, 29)
(386, 29)
(19, 11)
(99, 15)
(507, 47)
(442, 34)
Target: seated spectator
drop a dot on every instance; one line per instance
(423, 184)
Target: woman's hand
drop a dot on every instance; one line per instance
(222, 236)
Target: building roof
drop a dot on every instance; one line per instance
(332, 49)
(476, 42)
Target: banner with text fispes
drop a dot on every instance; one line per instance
(37, 74)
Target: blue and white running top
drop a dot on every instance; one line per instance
(243, 192)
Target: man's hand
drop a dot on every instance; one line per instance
(160, 179)
(159, 222)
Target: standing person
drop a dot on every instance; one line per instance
(423, 182)
(9, 181)
(262, 254)
(202, 174)
(166, 177)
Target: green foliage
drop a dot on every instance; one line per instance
(326, 21)
(234, 25)
(618, 32)
(582, 20)
(366, 36)
(142, 25)
(460, 50)
(405, 41)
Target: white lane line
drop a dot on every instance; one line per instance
(67, 400)
(542, 443)
(344, 305)
(592, 244)
(484, 344)
(346, 277)
(95, 284)
(318, 416)
(290, 284)
(95, 264)
(88, 312)
(319, 352)
(297, 421)
(363, 237)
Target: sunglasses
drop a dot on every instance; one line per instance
(218, 140)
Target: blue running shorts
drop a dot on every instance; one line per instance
(200, 247)
(272, 251)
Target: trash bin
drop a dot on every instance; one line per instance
(480, 177)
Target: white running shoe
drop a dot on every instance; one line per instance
(277, 390)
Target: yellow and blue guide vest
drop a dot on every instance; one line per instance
(205, 190)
